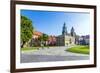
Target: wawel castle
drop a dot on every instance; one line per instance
(65, 39)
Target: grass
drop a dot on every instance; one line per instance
(34, 48)
(79, 49)
(29, 48)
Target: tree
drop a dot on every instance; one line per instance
(26, 30)
(43, 39)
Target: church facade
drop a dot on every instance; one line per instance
(66, 38)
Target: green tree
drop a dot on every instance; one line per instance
(26, 30)
(43, 39)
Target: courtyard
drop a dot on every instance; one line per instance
(48, 54)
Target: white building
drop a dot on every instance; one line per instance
(66, 38)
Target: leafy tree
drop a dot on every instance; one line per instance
(43, 39)
(26, 30)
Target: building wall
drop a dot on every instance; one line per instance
(69, 40)
(65, 40)
(60, 40)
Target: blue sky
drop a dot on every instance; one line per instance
(51, 23)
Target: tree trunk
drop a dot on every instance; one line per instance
(22, 45)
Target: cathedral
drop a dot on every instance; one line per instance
(66, 39)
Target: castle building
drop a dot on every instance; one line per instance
(66, 38)
(52, 40)
(37, 34)
(34, 41)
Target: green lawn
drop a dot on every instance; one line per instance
(79, 49)
(29, 48)
(34, 48)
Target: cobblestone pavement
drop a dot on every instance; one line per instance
(51, 54)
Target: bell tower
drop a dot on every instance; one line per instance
(72, 32)
(64, 29)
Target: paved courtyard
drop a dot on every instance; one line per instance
(51, 54)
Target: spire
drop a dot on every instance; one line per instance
(64, 30)
(72, 32)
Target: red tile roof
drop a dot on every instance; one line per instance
(37, 33)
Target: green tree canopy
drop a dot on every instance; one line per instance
(26, 30)
(45, 37)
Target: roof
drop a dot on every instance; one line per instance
(37, 33)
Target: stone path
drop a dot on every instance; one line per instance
(51, 54)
